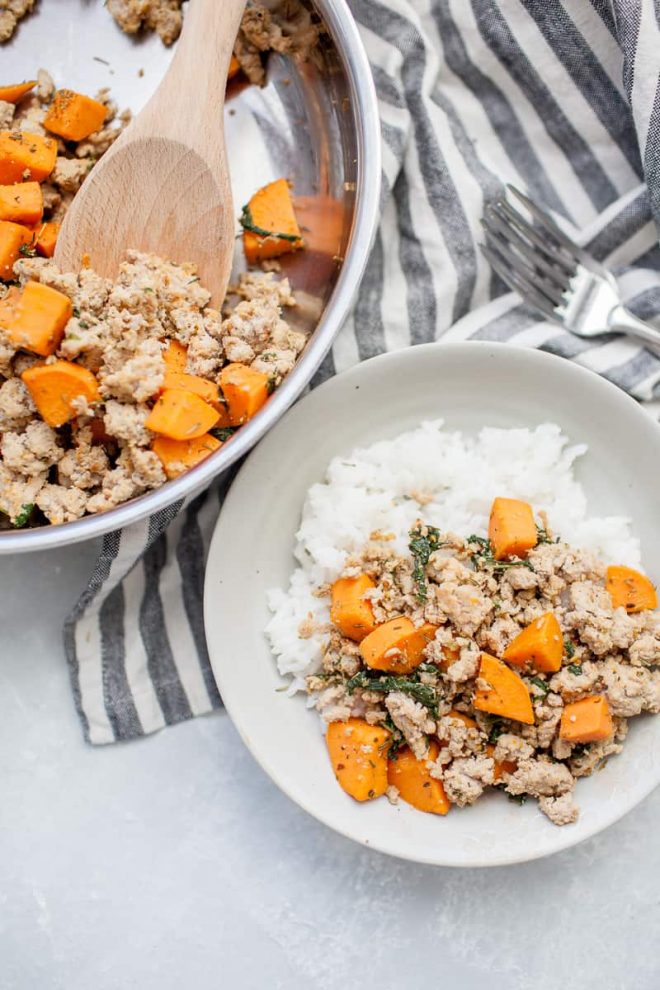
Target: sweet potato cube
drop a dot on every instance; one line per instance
(22, 203)
(350, 612)
(175, 356)
(506, 695)
(46, 235)
(414, 782)
(181, 415)
(193, 383)
(55, 387)
(358, 753)
(25, 156)
(630, 590)
(12, 238)
(512, 530)
(397, 646)
(270, 228)
(500, 767)
(539, 645)
(245, 391)
(234, 67)
(73, 116)
(16, 91)
(587, 720)
(462, 717)
(178, 456)
(34, 319)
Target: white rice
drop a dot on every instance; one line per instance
(373, 488)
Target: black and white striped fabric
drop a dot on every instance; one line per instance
(558, 97)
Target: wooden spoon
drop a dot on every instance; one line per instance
(164, 185)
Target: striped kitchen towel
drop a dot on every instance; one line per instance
(558, 97)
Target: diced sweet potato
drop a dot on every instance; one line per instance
(178, 456)
(34, 319)
(540, 645)
(16, 91)
(500, 767)
(358, 753)
(175, 356)
(73, 116)
(397, 646)
(413, 780)
(350, 612)
(55, 387)
(22, 203)
(587, 720)
(193, 383)
(181, 415)
(630, 590)
(46, 235)
(506, 695)
(245, 391)
(234, 67)
(13, 236)
(26, 156)
(462, 717)
(270, 228)
(512, 530)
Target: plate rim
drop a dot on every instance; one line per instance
(564, 838)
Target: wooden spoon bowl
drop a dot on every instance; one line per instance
(163, 187)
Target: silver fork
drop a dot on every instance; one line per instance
(555, 275)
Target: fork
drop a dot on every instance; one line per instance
(555, 275)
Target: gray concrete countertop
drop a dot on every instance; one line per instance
(174, 862)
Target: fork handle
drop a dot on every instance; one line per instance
(623, 321)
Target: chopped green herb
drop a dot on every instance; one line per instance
(496, 731)
(484, 556)
(247, 223)
(575, 668)
(397, 740)
(76, 312)
(412, 686)
(424, 540)
(540, 684)
(192, 280)
(271, 384)
(427, 668)
(569, 649)
(28, 251)
(544, 537)
(85, 326)
(223, 433)
(23, 517)
(517, 798)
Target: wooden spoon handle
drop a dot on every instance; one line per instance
(194, 86)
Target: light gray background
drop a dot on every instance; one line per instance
(174, 862)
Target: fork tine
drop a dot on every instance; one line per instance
(525, 269)
(494, 222)
(548, 224)
(528, 293)
(512, 217)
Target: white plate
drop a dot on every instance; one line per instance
(470, 385)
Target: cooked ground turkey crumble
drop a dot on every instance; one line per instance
(119, 331)
(284, 26)
(480, 606)
(11, 12)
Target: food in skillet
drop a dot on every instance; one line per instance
(110, 388)
(447, 664)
